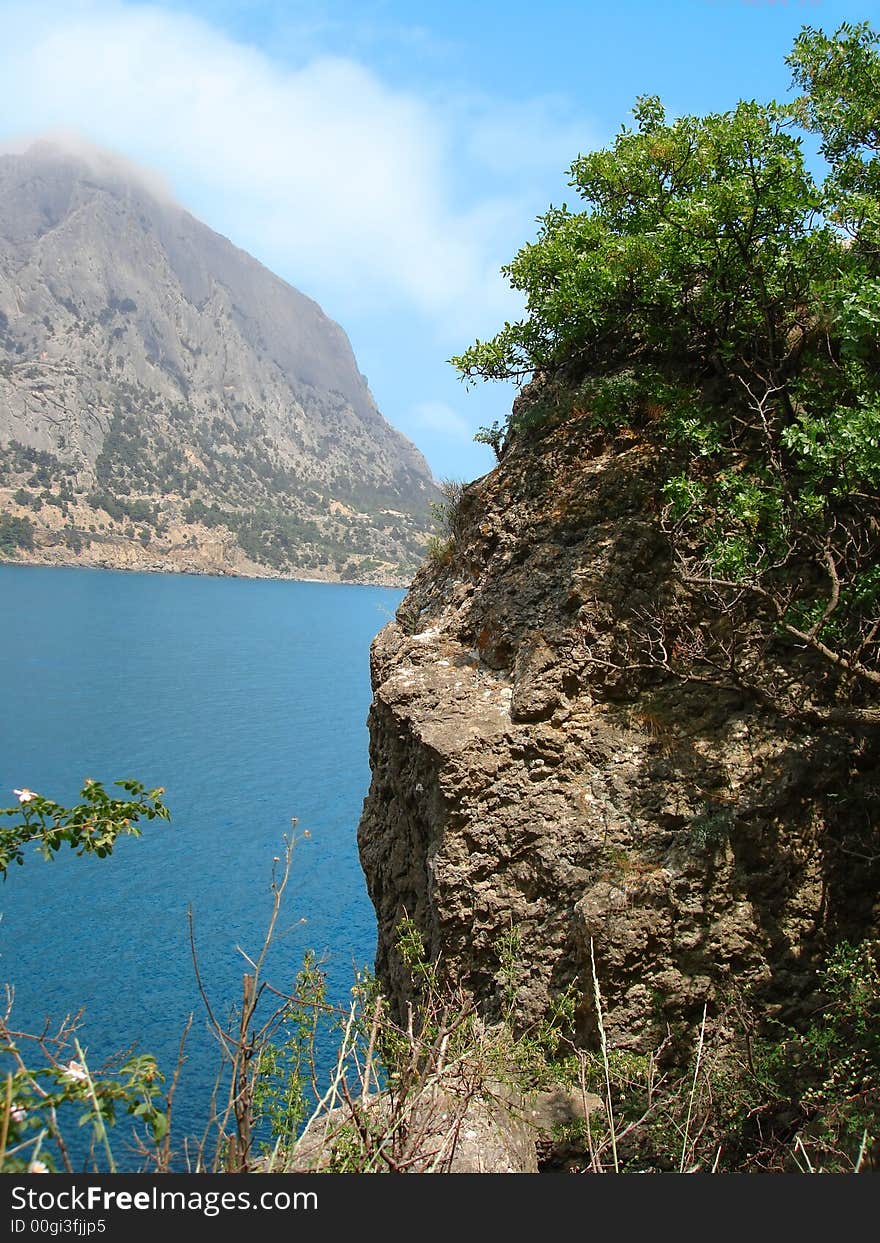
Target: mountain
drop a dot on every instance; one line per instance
(167, 402)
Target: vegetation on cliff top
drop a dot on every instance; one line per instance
(723, 302)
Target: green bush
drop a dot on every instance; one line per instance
(718, 300)
(16, 534)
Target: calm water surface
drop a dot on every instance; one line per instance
(247, 701)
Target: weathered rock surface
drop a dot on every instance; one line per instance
(530, 772)
(497, 1132)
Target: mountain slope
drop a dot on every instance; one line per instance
(165, 399)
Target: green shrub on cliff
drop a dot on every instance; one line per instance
(723, 302)
(697, 242)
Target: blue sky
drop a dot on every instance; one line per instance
(386, 158)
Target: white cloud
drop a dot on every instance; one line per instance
(328, 174)
(101, 162)
(438, 417)
(539, 134)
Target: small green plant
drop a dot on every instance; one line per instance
(31, 1138)
(90, 827)
(494, 437)
(448, 517)
(438, 550)
(830, 1072)
(286, 1066)
(37, 1096)
(711, 829)
(510, 950)
(410, 946)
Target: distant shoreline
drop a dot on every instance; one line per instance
(270, 576)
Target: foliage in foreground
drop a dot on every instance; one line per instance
(748, 1098)
(306, 1083)
(38, 1099)
(90, 827)
(719, 300)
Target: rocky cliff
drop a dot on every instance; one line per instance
(166, 401)
(533, 772)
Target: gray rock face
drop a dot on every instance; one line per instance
(529, 772)
(152, 358)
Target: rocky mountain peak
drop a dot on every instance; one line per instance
(146, 359)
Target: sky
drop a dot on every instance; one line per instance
(387, 158)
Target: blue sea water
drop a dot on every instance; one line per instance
(247, 701)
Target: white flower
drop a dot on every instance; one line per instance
(25, 795)
(17, 1113)
(38, 1167)
(75, 1072)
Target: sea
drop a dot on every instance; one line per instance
(246, 700)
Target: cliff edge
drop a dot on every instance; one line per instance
(538, 783)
